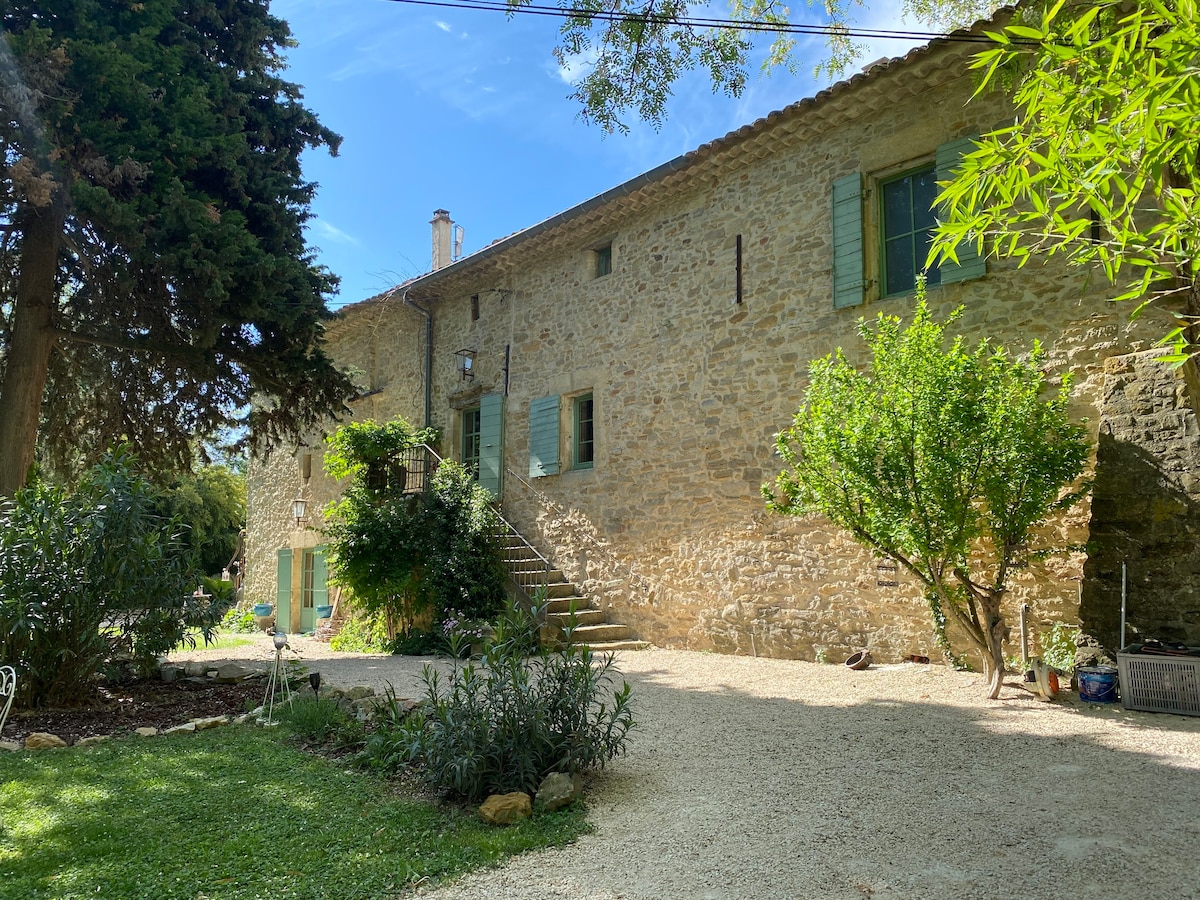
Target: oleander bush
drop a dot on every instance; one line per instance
(504, 724)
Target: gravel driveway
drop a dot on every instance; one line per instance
(762, 778)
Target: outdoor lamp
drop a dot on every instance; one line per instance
(299, 506)
(464, 361)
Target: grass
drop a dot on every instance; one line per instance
(232, 813)
(222, 640)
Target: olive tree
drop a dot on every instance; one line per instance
(945, 459)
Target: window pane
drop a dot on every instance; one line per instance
(470, 440)
(924, 194)
(932, 274)
(901, 274)
(584, 437)
(897, 207)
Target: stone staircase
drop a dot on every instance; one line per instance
(569, 616)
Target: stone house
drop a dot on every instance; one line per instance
(617, 372)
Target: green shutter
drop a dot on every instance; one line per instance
(543, 437)
(320, 578)
(970, 263)
(848, 282)
(491, 442)
(283, 590)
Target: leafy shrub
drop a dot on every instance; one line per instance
(417, 642)
(92, 576)
(239, 621)
(410, 556)
(362, 633)
(1058, 646)
(505, 724)
(321, 720)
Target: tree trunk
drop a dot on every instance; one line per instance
(996, 632)
(32, 340)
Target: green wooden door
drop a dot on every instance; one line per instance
(314, 590)
(283, 591)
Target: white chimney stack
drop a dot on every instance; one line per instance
(442, 230)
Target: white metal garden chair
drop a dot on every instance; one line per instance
(8, 689)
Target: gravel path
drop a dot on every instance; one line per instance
(760, 778)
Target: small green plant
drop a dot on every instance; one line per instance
(1058, 646)
(362, 633)
(504, 725)
(239, 621)
(321, 720)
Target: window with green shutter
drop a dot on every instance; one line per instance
(491, 443)
(470, 440)
(584, 441)
(543, 436)
(907, 222)
(848, 277)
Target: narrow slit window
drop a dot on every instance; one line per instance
(603, 260)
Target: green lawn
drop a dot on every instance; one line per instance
(222, 640)
(233, 812)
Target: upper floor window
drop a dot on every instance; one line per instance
(907, 220)
(603, 257)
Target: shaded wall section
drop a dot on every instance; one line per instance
(1146, 507)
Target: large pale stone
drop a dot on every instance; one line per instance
(186, 726)
(92, 741)
(210, 722)
(505, 809)
(232, 673)
(558, 790)
(41, 740)
(145, 731)
(195, 669)
(9, 745)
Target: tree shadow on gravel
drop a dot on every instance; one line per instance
(731, 794)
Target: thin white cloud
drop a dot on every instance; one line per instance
(324, 231)
(576, 66)
(445, 26)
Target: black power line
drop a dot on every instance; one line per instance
(700, 22)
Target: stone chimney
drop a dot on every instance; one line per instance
(442, 230)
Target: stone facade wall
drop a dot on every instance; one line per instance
(1146, 509)
(383, 344)
(668, 529)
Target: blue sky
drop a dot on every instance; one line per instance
(469, 111)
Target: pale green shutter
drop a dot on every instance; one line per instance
(491, 442)
(848, 282)
(970, 263)
(283, 590)
(320, 578)
(543, 437)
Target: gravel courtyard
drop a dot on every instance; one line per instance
(762, 778)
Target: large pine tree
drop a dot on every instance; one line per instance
(154, 276)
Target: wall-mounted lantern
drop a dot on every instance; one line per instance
(885, 573)
(464, 362)
(299, 508)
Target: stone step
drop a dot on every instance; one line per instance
(536, 575)
(582, 617)
(590, 634)
(566, 604)
(612, 646)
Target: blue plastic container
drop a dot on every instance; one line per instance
(1097, 684)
